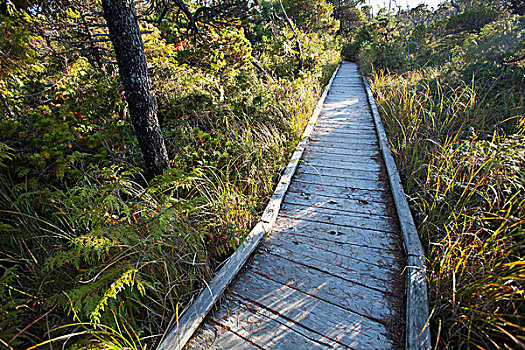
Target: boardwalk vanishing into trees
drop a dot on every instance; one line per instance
(331, 273)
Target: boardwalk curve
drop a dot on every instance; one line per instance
(331, 272)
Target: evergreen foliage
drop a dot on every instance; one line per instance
(93, 255)
(449, 86)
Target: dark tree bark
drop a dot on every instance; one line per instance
(124, 33)
(456, 5)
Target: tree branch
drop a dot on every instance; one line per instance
(260, 68)
(7, 107)
(296, 37)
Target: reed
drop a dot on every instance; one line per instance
(460, 148)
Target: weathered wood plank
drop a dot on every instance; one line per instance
(350, 112)
(339, 191)
(335, 246)
(348, 208)
(363, 183)
(341, 99)
(344, 139)
(346, 127)
(193, 315)
(417, 327)
(356, 157)
(343, 90)
(364, 162)
(358, 137)
(362, 253)
(353, 117)
(325, 171)
(344, 149)
(342, 146)
(247, 320)
(350, 108)
(347, 82)
(338, 203)
(356, 271)
(341, 325)
(345, 123)
(213, 336)
(354, 255)
(349, 163)
(346, 118)
(343, 131)
(310, 334)
(338, 234)
(358, 268)
(322, 279)
(346, 294)
(347, 132)
(335, 217)
(341, 151)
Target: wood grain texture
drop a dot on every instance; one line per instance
(370, 152)
(334, 322)
(214, 336)
(355, 218)
(345, 162)
(347, 267)
(342, 204)
(342, 146)
(340, 234)
(264, 329)
(349, 295)
(340, 191)
(362, 182)
(332, 171)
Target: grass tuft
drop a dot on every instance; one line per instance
(460, 149)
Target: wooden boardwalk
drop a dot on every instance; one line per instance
(330, 274)
(342, 266)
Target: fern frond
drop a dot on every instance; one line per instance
(126, 279)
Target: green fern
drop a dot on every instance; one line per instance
(128, 279)
(6, 153)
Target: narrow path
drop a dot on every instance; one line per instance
(329, 275)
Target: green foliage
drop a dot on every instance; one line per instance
(497, 42)
(382, 47)
(312, 16)
(350, 17)
(453, 109)
(471, 20)
(88, 247)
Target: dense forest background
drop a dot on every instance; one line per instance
(97, 253)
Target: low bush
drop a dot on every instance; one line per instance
(93, 255)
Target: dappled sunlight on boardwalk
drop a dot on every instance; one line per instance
(329, 275)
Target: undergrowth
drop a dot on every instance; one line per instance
(94, 256)
(461, 154)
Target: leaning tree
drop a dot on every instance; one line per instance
(124, 32)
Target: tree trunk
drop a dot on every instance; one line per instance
(124, 33)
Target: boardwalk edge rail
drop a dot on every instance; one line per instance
(417, 329)
(194, 314)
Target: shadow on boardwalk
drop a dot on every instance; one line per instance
(330, 274)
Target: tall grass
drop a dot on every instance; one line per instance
(460, 149)
(109, 260)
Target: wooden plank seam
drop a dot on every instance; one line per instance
(417, 330)
(194, 314)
